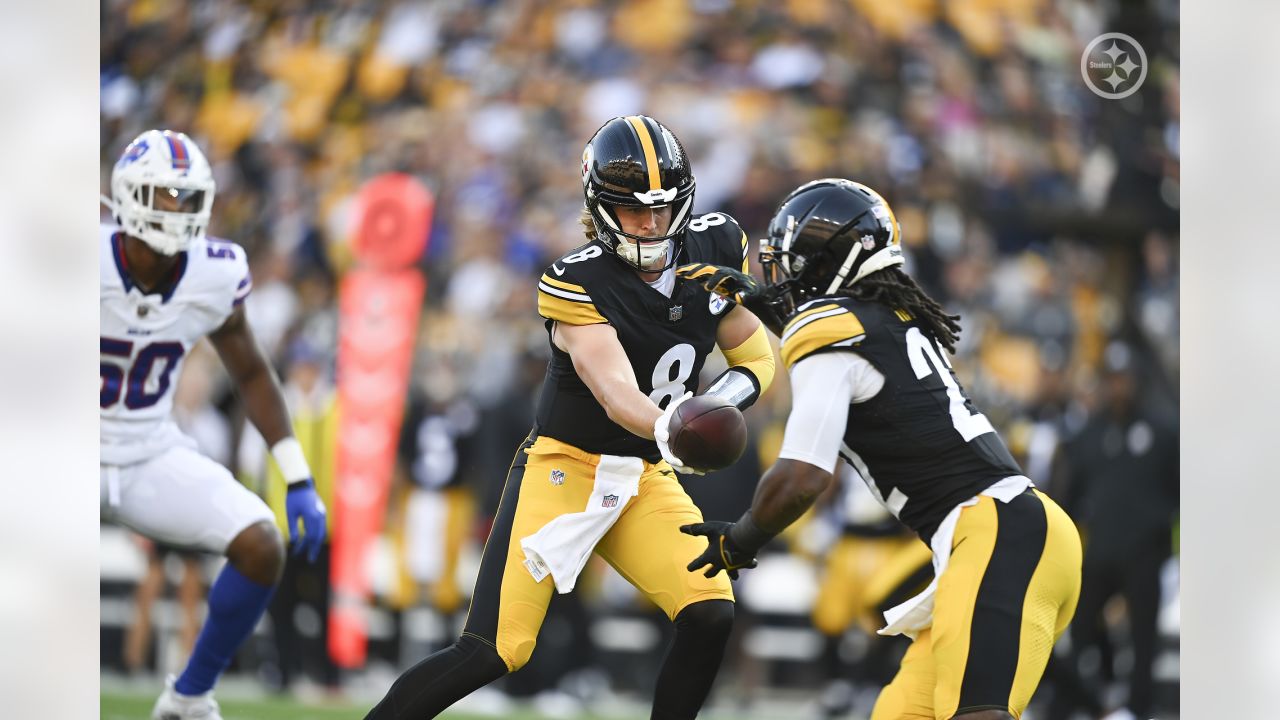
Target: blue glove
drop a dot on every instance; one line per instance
(303, 504)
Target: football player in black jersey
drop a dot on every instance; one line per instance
(628, 339)
(867, 351)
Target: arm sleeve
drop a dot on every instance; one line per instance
(822, 388)
(754, 355)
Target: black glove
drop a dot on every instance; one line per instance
(721, 553)
(733, 284)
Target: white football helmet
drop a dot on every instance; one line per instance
(162, 190)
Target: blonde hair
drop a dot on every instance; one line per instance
(588, 225)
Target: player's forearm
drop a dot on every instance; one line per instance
(785, 493)
(629, 407)
(264, 404)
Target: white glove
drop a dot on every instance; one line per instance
(663, 436)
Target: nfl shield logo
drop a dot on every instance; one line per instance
(610, 501)
(675, 313)
(557, 477)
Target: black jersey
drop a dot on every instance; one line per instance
(665, 338)
(920, 443)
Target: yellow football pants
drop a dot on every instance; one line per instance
(1008, 592)
(549, 478)
(860, 574)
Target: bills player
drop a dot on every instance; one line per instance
(163, 286)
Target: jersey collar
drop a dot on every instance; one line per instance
(165, 289)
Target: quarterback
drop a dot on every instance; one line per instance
(628, 339)
(872, 385)
(163, 286)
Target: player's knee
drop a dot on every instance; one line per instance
(258, 553)
(516, 655)
(710, 620)
(482, 660)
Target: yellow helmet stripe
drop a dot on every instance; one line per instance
(650, 154)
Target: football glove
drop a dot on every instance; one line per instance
(741, 288)
(662, 435)
(722, 552)
(303, 505)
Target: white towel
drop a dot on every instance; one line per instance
(562, 546)
(916, 614)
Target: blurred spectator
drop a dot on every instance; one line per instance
(436, 507)
(190, 593)
(299, 610)
(1122, 485)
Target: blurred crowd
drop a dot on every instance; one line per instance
(1046, 216)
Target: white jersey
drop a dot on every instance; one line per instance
(145, 338)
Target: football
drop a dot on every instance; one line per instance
(707, 433)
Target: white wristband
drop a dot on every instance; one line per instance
(292, 462)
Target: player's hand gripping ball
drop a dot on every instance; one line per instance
(707, 432)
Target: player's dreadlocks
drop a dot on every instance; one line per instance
(896, 289)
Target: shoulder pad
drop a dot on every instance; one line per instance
(562, 290)
(723, 239)
(821, 324)
(221, 268)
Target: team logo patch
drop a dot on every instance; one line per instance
(718, 304)
(609, 501)
(588, 154)
(656, 196)
(557, 477)
(675, 313)
(134, 151)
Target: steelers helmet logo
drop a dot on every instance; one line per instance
(588, 154)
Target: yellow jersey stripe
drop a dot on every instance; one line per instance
(810, 311)
(562, 284)
(650, 154)
(746, 263)
(568, 311)
(821, 333)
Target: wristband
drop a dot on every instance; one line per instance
(291, 460)
(737, 385)
(748, 536)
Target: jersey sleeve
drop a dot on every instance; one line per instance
(222, 267)
(821, 389)
(243, 288)
(733, 244)
(564, 301)
(824, 326)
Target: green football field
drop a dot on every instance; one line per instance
(121, 706)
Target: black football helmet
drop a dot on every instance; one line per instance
(637, 161)
(825, 236)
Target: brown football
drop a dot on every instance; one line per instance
(707, 433)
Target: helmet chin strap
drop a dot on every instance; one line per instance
(629, 249)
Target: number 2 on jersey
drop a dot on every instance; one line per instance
(113, 375)
(670, 374)
(924, 360)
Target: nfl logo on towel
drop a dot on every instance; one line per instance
(557, 477)
(610, 501)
